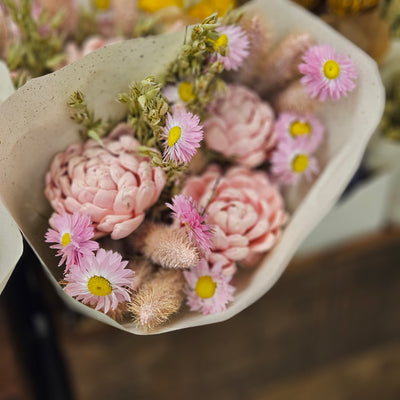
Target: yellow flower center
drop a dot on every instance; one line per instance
(186, 91)
(66, 239)
(300, 163)
(331, 69)
(205, 287)
(222, 41)
(174, 135)
(102, 4)
(99, 286)
(156, 5)
(298, 128)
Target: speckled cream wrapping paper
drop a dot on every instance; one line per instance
(10, 236)
(35, 125)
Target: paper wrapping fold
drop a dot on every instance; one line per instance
(10, 237)
(35, 125)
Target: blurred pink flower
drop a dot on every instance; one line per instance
(241, 126)
(184, 209)
(245, 209)
(101, 280)
(235, 40)
(208, 289)
(291, 125)
(72, 234)
(74, 53)
(110, 183)
(291, 160)
(182, 134)
(327, 74)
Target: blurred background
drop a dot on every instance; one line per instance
(329, 329)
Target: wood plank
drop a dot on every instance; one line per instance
(374, 374)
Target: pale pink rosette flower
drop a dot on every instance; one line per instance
(245, 209)
(241, 126)
(111, 184)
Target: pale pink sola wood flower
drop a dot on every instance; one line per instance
(290, 126)
(208, 289)
(185, 210)
(245, 209)
(72, 235)
(101, 280)
(182, 134)
(292, 160)
(236, 44)
(241, 126)
(327, 74)
(110, 183)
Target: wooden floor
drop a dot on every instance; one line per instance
(328, 330)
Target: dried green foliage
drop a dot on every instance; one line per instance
(40, 49)
(192, 65)
(390, 123)
(390, 10)
(92, 127)
(88, 25)
(147, 110)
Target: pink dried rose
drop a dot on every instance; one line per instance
(241, 126)
(245, 209)
(111, 184)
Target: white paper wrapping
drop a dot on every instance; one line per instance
(35, 125)
(10, 236)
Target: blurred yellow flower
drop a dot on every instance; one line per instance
(205, 8)
(156, 5)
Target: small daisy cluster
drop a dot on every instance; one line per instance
(327, 75)
(92, 275)
(299, 136)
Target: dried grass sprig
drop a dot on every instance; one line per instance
(158, 299)
(167, 246)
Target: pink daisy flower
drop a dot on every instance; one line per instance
(236, 43)
(208, 289)
(291, 160)
(184, 209)
(291, 125)
(327, 74)
(72, 234)
(183, 134)
(182, 92)
(101, 280)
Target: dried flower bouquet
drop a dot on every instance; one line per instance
(228, 210)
